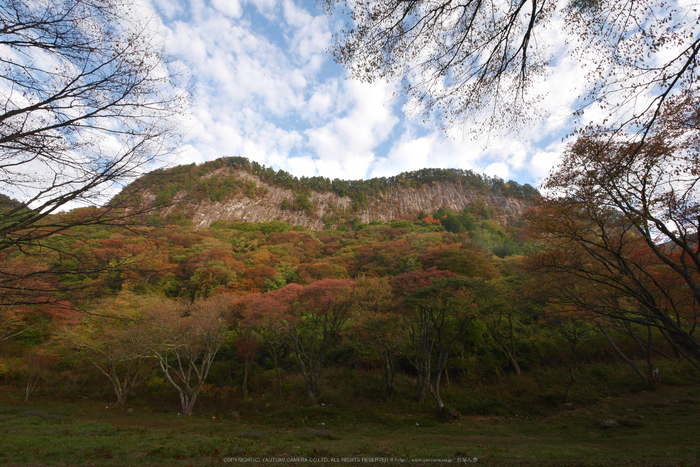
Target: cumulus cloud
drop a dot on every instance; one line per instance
(230, 8)
(345, 146)
(266, 88)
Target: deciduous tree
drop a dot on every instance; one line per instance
(322, 309)
(623, 216)
(114, 338)
(577, 327)
(499, 312)
(437, 308)
(35, 366)
(479, 60)
(377, 322)
(88, 102)
(185, 339)
(270, 315)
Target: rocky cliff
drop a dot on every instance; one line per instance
(258, 201)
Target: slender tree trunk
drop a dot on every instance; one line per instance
(307, 374)
(389, 374)
(511, 353)
(509, 350)
(435, 391)
(188, 405)
(639, 372)
(647, 350)
(275, 359)
(514, 362)
(126, 386)
(653, 369)
(424, 371)
(245, 378)
(572, 380)
(121, 398)
(421, 384)
(31, 385)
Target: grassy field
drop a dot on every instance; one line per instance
(657, 427)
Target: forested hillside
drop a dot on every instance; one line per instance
(229, 312)
(443, 298)
(236, 189)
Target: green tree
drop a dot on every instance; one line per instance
(115, 340)
(437, 308)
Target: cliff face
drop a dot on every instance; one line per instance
(397, 202)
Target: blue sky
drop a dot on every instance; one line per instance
(266, 88)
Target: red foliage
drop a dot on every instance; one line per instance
(431, 220)
(270, 310)
(247, 346)
(309, 273)
(325, 296)
(420, 278)
(259, 274)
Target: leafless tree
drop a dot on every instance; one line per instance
(477, 60)
(88, 102)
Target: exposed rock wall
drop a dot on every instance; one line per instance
(395, 203)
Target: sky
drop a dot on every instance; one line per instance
(266, 88)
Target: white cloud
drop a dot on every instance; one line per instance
(168, 8)
(349, 141)
(302, 166)
(311, 35)
(265, 89)
(498, 169)
(543, 161)
(266, 8)
(230, 8)
(323, 100)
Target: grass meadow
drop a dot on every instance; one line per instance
(508, 420)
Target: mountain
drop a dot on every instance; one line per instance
(236, 189)
(7, 203)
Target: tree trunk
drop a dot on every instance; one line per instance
(508, 350)
(188, 405)
(389, 393)
(653, 369)
(388, 379)
(31, 385)
(647, 350)
(126, 386)
(639, 372)
(245, 378)
(573, 344)
(275, 358)
(511, 352)
(421, 384)
(308, 376)
(567, 400)
(436, 394)
(121, 399)
(514, 362)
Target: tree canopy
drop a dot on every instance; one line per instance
(479, 61)
(88, 103)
